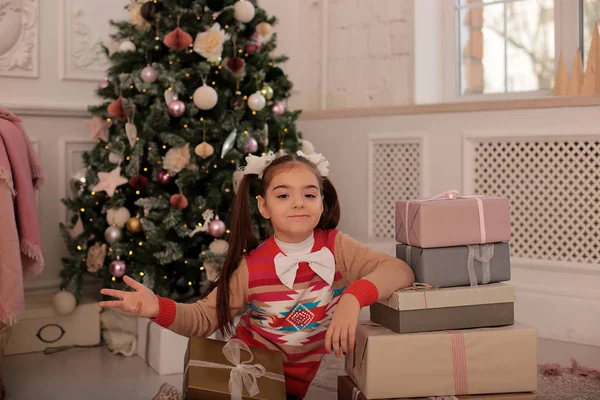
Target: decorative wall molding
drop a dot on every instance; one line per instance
(83, 27)
(19, 38)
(48, 110)
(384, 183)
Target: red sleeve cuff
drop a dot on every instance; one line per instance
(365, 292)
(166, 312)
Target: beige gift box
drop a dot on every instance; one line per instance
(429, 309)
(385, 364)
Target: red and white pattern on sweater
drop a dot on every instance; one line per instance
(284, 316)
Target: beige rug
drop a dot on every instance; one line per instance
(555, 382)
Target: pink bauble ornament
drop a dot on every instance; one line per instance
(176, 108)
(252, 146)
(252, 48)
(117, 268)
(217, 228)
(149, 74)
(104, 84)
(278, 108)
(163, 178)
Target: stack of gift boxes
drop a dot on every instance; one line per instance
(453, 332)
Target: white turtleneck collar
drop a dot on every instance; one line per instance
(296, 249)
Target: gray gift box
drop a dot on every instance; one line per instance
(450, 266)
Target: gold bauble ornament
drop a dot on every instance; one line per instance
(134, 225)
(267, 91)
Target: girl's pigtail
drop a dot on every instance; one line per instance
(331, 206)
(241, 241)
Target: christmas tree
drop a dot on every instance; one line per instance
(193, 88)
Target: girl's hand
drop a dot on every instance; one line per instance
(141, 303)
(343, 325)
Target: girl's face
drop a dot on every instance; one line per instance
(293, 202)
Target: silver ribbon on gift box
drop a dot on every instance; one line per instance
(480, 252)
(242, 373)
(484, 254)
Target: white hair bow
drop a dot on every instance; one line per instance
(318, 160)
(256, 165)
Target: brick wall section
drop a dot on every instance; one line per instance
(473, 51)
(370, 61)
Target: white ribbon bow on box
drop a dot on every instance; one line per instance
(322, 262)
(243, 374)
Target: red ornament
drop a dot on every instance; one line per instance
(236, 64)
(178, 39)
(163, 178)
(179, 201)
(116, 110)
(138, 182)
(252, 48)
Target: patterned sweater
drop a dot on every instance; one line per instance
(294, 321)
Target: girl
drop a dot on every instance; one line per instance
(305, 285)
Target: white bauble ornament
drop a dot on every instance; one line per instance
(307, 147)
(64, 302)
(118, 216)
(257, 101)
(149, 74)
(205, 97)
(243, 11)
(127, 45)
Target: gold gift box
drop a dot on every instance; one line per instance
(208, 370)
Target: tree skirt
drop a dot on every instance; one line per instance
(555, 382)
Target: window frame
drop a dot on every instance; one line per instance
(567, 38)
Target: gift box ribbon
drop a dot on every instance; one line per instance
(420, 287)
(483, 253)
(242, 373)
(451, 195)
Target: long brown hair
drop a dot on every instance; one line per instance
(242, 239)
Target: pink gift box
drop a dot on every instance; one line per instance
(450, 219)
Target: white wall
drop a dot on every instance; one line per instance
(347, 53)
(559, 298)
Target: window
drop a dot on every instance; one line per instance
(589, 16)
(506, 49)
(505, 46)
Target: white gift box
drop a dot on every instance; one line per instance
(41, 326)
(162, 349)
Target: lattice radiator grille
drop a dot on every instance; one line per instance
(395, 175)
(554, 192)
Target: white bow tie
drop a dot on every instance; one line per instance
(321, 262)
